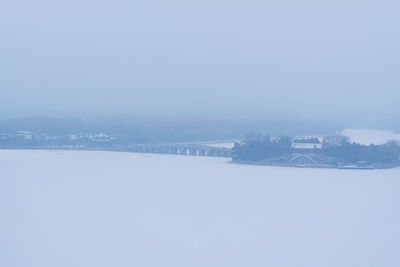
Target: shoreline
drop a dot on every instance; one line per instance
(241, 162)
(126, 150)
(319, 166)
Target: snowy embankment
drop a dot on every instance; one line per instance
(223, 144)
(81, 208)
(370, 136)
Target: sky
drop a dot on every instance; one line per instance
(313, 59)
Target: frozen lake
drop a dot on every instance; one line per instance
(80, 208)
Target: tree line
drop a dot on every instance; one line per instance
(256, 148)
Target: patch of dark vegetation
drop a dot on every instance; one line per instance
(334, 151)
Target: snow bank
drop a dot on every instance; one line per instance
(370, 136)
(224, 145)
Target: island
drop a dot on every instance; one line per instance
(315, 152)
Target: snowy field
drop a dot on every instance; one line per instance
(84, 209)
(224, 144)
(370, 136)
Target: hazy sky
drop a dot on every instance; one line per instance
(211, 58)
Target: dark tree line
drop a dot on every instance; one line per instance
(258, 149)
(353, 152)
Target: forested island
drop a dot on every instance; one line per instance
(326, 152)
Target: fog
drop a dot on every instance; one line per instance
(209, 59)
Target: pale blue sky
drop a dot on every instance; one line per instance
(204, 58)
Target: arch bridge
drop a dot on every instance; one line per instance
(182, 149)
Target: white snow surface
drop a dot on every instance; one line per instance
(370, 136)
(223, 145)
(80, 208)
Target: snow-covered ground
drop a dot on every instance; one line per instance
(370, 136)
(223, 144)
(80, 208)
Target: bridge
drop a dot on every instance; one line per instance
(182, 149)
(302, 158)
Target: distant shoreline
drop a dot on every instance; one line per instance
(233, 161)
(319, 166)
(171, 149)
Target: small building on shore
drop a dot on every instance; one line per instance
(307, 143)
(306, 146)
